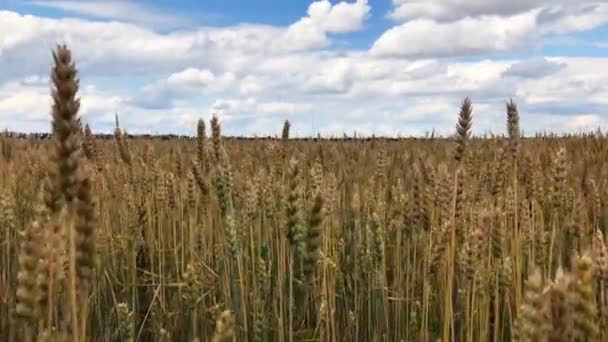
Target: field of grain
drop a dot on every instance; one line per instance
(219, 239)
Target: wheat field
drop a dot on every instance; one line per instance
(213, 238)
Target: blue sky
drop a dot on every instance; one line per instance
(390, 67)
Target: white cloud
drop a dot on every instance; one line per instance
(586, 122)
(549, 122)
(253, 107)
(534, 68)
(182, 85)
(393, 102)
(323, 18)
(469, 36)
(306, 34)
(561, 19)
(463, 27)
(384, 96)
(120, 10)
(583, 80)
(334, 76)
(456, 9)
(255, 76)
(103, 48)
(26, 104)
(343, 17)
(117, 48)
(192, 76)
(200, 78)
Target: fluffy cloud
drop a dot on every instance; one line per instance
(118, 48)
(455, 9)
(182, 85)
(322, 18)
(25, 104)
(254, 76)
(469, 36)
(120, 10)
(584, 79)
(534, 68)
(460, 27)
(249, 106)
(382, 97)
(340, 18)
(561, 19)
(193, 77)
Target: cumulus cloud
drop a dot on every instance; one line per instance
(120, 10)
(254, 76)
(469, 36)
(323, 18)
(373, 103)
(562, 19)
(25, 104)
(118, 48)
(473, 27)
(583, 80)
(550, 123)
(455, 9)
(335, 76)
(252, 106)
(183, 84)
(534, 68)
(342, 17)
